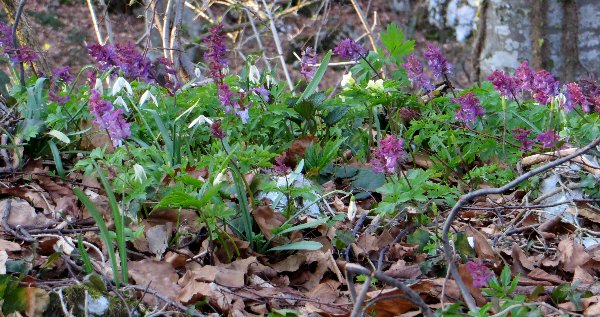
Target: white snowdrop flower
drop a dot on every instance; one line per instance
(121, 102)
(121, 83)
(352, 209)
(376, 86)
(145, 97)
(139, 173)
(254, 74)
(347, 80)
(200, 120)
(98, 86)
(220, 177)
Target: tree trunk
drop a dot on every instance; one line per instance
(560, 36)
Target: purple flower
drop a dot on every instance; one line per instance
(64, 74)
(226, 96)
(170, 82)
(480, 273)
(23, 55)
(414, 70)
(525, 76)
(217, 52)
(503, 83)
(309, 59)
(573, 97)
(437, 61)
(243, 114)
(216, 130)
(108, 118)
(54, 95)
(351, 50)
(469, 110)
(263, 93)
(548, 139)
(6, 37)
(387, 155)
(279, 165)
(522, 135)
(544, 87)
(124, 56)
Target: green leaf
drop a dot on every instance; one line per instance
(336, 114)
(57, 159)
(300, 245)
(59, 135)
(15, 298)
(314, 83)
(307, 225)
(87, 263)
(420, 237)
(104, 233)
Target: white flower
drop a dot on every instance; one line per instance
(98, 86)
(220, 177)
(352, 209)
(121, 83)
(254, 74)
(65, 244)
(145, 97)
(201, 119)
(376, 86)
(347, 80)
(121, 102)
(139, 173)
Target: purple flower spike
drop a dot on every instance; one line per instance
(469, 110)
(263, 93)
(54, 95)
(387, 155)
(548, 139)
(525, 76)
(437, 61)
(522, 135)
(544, 87)
(480, 273)
(506, 85)
(216, 130)
(216, 56)
(351, 50)
(6, 37)
(414, 70)
(64, 74)
(23, 55)
(309, 58)
(109, 118)
(573, 97)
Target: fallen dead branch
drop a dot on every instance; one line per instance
(448, 250)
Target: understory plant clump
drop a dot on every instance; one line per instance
(251, 158)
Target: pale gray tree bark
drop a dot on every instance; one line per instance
(562, 36)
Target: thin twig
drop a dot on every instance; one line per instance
(95, 22)
(410, 294)
(363, 21)
(278, 46)
(165, 299)
(491, 191)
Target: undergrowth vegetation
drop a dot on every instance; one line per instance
(395, 139)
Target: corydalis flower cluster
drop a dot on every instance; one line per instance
(307, 62)
(469, 108)
(132, 63)
(17, 55)
(387, 155)
(216, 57)
(437, 62)
(60, 77)
(108, 118)
(480, 273)
(548, 139)
(542, 86)
(351, 50)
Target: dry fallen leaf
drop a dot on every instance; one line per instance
(160, 276)
(572, 255)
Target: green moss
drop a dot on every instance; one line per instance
(74, 299)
